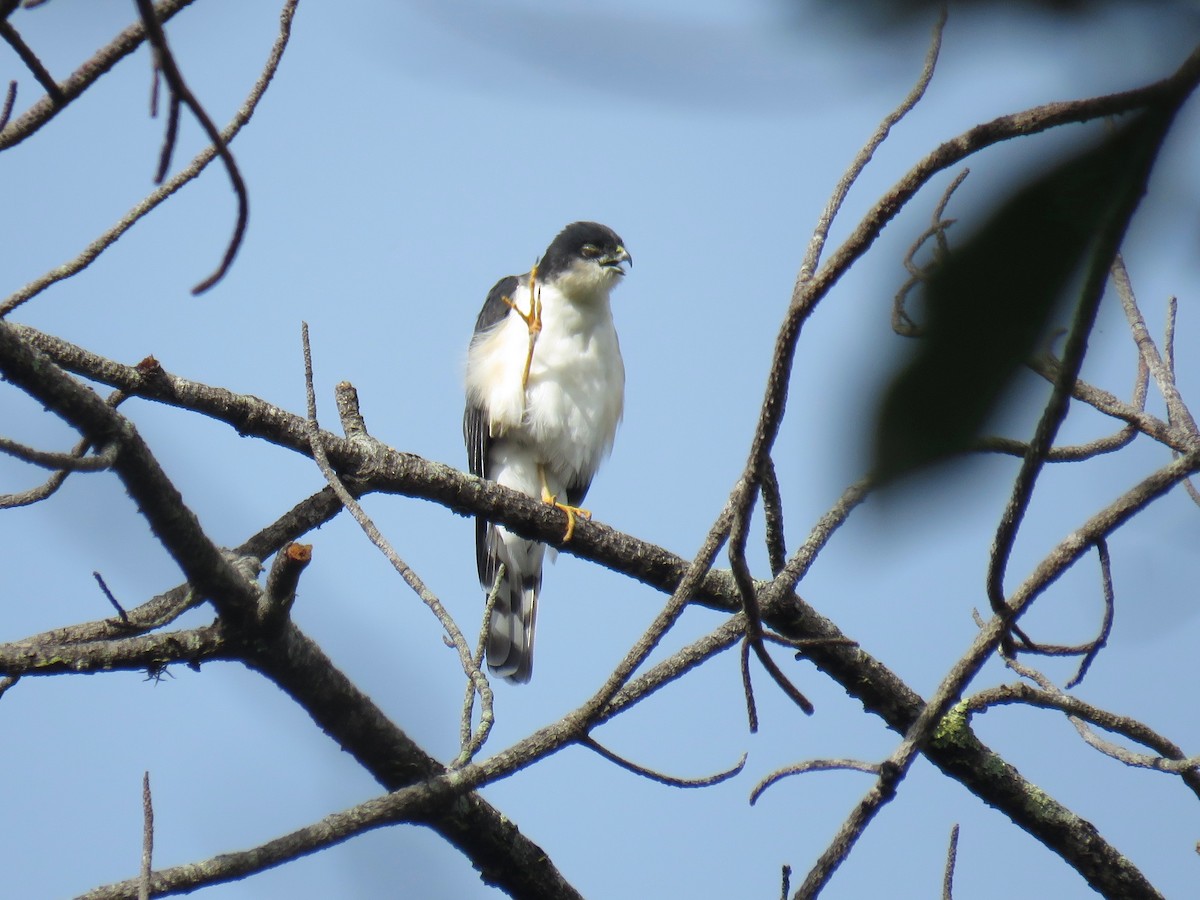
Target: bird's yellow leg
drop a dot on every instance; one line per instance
(572, 511)
(532, 320)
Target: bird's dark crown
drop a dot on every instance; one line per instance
(579, 240)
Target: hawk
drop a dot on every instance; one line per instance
(545, 392)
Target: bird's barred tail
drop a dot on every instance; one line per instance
(514, 617)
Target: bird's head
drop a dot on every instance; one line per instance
(585, 257)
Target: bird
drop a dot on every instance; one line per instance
(545, 387)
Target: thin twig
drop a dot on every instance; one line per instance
(1178, 414)
(773, 517)
(170, 135)
(147, 839)
(812, 765)
(111, 599)
(485, 627)
(770, 417)
(51, 460)
(669, 780)
(132, 38)
(1046, 695)
(796, 568)
(902, 322)
(55, 481)
(951, 861)
(890, 773)
(749, 595)
(1107, 243)
(32, 63)
(10, 99)
(688, 584)
(84, 77)
(1106, 585)
(174, 524)
(817, 243)
(414, 581)
(748, 686)
(181, 93)
(1169, 365)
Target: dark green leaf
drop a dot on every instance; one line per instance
(988, 305)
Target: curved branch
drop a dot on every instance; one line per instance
(181, 93)
(1171, 757)
(669, 780)
(193, 169)
(84, 77)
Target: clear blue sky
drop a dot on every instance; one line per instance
(406, 157)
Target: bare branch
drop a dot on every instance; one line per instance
(55, 481)
(151, 652)
(1106, 584)
(1170, 758)
(749, 595)
(10, 99)
(111, 599)
(1178, 414)
(951, 861)
(156, 197)
(276, 603)
(669, 780)
(808, 293)
(466, 658)
(902, 323)
(787, 579)
(147, 839)
(68, 461)
(180, 93)
(889, 775)
(466, 745)
(773, 514)
(175, 525)
(961, 757)
(1108, 241)
(748, 686)
(834, 204)
(494, 844)
(32, 63)
(84, 77)
(812, 765)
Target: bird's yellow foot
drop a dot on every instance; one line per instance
(532, 320)
(572, 512)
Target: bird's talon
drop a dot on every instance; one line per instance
(572, 512)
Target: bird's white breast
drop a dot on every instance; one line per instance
(569, 412)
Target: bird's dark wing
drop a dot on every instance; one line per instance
(578, 488)
(494, 307)
(475, 423)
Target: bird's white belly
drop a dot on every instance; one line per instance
(569, 411)
(574, 403)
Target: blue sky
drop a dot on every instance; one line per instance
(406, 157)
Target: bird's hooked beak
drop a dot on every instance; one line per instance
(614, 260)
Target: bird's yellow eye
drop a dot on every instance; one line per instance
(590, 251)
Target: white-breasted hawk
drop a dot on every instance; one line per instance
(545, 392)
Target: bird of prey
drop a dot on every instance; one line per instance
(545, 392)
